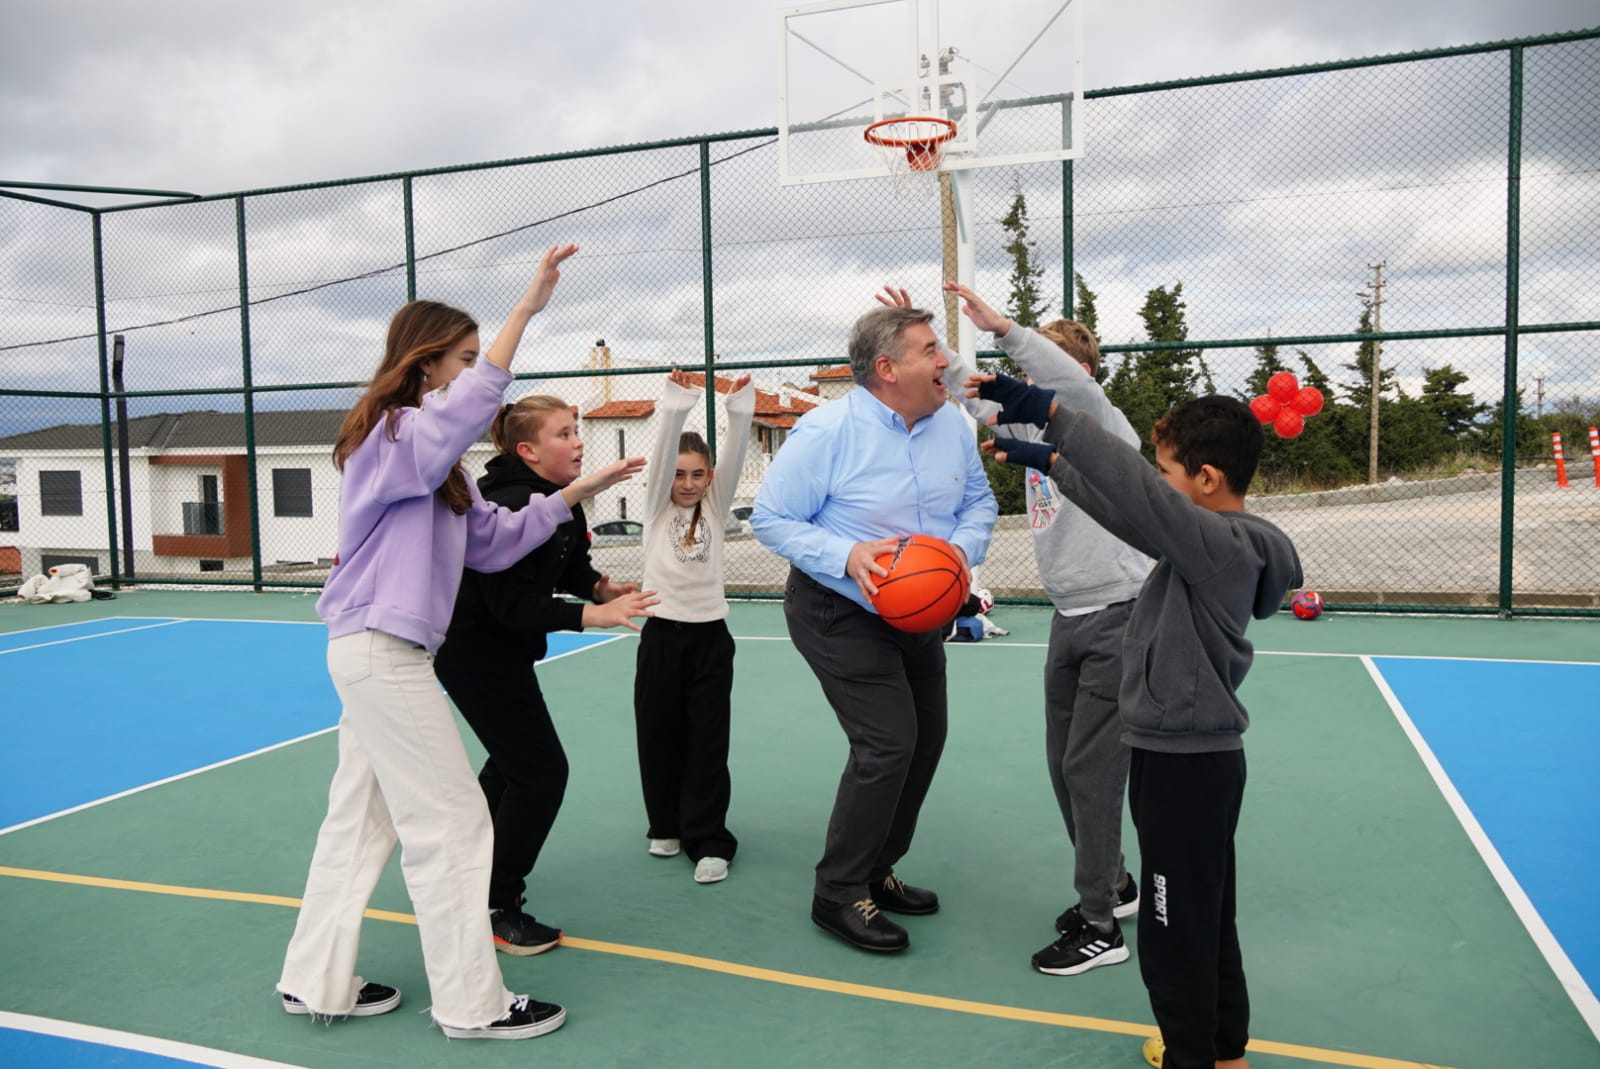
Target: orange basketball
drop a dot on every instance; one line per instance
(924, 589)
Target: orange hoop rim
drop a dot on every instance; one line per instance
(924, 143)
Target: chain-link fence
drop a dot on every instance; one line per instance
(175, 369)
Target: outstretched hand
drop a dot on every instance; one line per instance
(586, 486)
(894, 297)
(1019, 402)
(605, 590)
(1035, 455)
(973, 307)
(545, 278)
(622, 611)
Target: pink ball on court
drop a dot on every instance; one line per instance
(1307, 605)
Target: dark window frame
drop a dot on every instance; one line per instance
(289, 501)
(57, 499)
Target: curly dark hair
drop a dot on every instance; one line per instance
(1216, 430)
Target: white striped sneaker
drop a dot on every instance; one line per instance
(1082, 949)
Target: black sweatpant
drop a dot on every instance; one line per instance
(1185, 808)
(887, 689)
(525, 776)
(682, 713)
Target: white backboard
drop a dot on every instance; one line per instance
(1009, 73)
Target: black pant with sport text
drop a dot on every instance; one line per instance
(1185, 808)
(682, 714)
(525, 776)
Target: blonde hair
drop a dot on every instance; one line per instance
(1075, 340)
(521, 420)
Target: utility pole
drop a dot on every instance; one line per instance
(1538, 396)
(1374, 301)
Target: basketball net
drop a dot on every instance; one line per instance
(912, 148)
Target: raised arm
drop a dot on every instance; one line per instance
(678, 397)
(532, 302)
(733, 449)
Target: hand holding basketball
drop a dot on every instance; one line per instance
(863, 566)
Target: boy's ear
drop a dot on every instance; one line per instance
(527, 452)
(1211, 479)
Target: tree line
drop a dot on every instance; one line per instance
(1441, 430)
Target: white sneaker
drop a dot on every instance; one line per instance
(664, 847)
(710, 870)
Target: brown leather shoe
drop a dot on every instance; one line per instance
(896, 896)
(860, 924)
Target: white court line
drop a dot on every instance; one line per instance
(98, 634)
(1566, 973)
(169, 779)
(187, 1052)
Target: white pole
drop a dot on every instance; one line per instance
(966, 257)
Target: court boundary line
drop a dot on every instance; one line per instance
(163, 622)
(163, 782)
(144, 1044)
(751, 972)
(1567, 975)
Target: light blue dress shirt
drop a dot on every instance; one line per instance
(849, 472)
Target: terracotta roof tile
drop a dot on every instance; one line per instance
(622, 410)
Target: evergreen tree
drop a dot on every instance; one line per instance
(1086, 312)
(1456, 412)
(1267, 365)
(1026, 301)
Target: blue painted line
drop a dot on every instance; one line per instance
(13, 640)
(36, 1050)
(1519, 742)
(560, 643)
(86, 720)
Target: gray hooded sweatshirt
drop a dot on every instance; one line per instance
(1184, 652)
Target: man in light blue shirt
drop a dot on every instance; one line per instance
(889, 459)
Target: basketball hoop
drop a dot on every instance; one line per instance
(913, 148)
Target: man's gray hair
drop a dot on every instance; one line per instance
(879, 332)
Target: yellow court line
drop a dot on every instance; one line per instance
(751, 972)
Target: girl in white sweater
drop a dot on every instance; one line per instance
(684, 679)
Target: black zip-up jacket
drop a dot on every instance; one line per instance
(510, 612)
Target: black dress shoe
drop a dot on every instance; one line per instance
(896, 896)
(860, 924)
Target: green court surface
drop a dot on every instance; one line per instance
(1374, 933)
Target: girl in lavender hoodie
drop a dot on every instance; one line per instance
(409, 519)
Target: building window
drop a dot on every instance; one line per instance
(210, 565)
(52, 560)
(61, 493)
(291, 491)
(622, 443)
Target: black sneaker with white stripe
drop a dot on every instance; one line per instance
(525, 1019)
(1127, 899)
(1082, 948)
(371, 1000)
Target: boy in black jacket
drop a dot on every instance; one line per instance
(1184, 657)
(497, 632)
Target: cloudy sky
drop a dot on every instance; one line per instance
(1271, 235)
(211, 96)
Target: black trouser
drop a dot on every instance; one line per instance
(525, 777)
(1185, 808)
(682, 693)
(888, 690)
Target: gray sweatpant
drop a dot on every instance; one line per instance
(1088, 761)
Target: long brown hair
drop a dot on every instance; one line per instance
(690, 442)
(418, 332)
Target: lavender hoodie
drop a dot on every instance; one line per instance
(401, 549)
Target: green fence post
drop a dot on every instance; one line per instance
(249, 396)
(1508, 405)
(105, 397)
(411, 243)
(705, 289)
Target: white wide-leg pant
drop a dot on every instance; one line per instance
(403, 774)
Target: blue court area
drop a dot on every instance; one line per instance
(36, 1050)
(123, 703)
(1519, 741)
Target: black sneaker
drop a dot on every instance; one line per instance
(515, 932)
(1127, 899)
(524, 1020)
(1082, 949)
(371, 1000)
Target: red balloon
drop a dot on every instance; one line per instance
(1283, 386)
(1288, 423)
(1308, 402)
(1265, 408)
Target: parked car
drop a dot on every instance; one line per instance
(617, 533)
(742, 514)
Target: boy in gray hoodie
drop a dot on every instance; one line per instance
(1184, 656)
(1091, 577)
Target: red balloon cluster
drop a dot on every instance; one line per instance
(1286, 404)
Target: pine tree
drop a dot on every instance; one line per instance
(1026, 300)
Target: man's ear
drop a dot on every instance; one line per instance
(885, 367)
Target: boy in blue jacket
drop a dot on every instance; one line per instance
(1184, 656)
